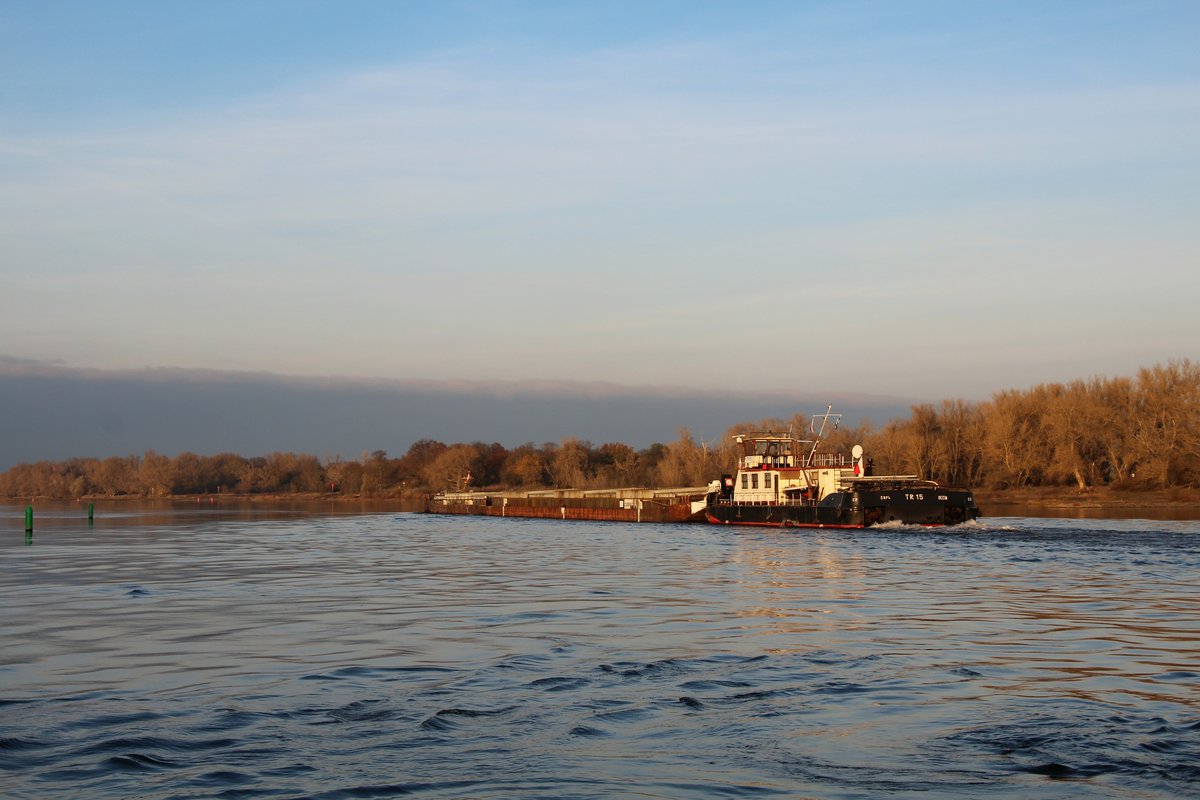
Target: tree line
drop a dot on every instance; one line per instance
(427, 466)
(1136, 432)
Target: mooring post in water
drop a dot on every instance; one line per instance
(91, 513)
(28, 519)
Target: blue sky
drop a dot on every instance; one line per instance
(926, 199)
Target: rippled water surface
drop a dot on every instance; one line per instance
(208, 652)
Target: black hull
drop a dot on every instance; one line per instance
(858, 509)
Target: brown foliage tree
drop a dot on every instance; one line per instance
(456, 468)
(524, 467)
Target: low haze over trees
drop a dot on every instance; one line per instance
(1139, 432)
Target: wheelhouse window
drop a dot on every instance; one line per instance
(745, 481)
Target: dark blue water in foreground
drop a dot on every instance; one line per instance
(283, 654)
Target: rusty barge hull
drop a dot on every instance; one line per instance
(624, 505)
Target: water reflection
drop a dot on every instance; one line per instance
(785, 593)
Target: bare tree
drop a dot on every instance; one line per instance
(568, 467)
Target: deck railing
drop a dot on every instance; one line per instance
(830, 460)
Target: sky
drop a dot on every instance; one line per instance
(919, 199)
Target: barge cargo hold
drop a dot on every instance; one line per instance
(611, 505)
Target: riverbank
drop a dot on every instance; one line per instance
(1099, 497)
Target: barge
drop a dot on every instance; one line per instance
(786, 482)
(612, 505)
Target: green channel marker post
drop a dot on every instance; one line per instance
(91, 513)
(28, 524)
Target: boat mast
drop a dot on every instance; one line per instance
(820, 433)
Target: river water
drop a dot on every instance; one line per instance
(296, 652)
